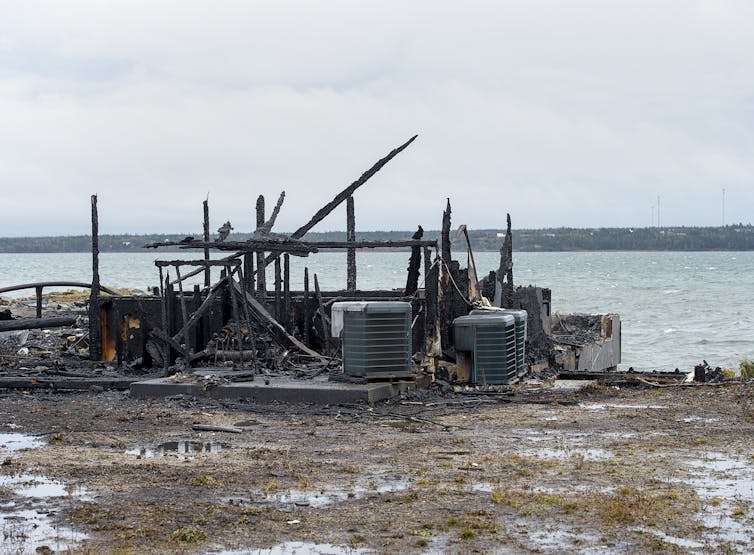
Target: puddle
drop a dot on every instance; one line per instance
(317, 498)
(296, 548)
(40, 487)
(559, 539)
(15, 442)
(689, 419)
(183, 447)
(675, 540)
(588, 454)
(246, 423)
(28, 530)
(603, 406)
(27, 525)
(729, 480)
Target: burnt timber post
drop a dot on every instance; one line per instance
(305, 312)
(508, 244)
(278, 292)
(350, 237)
(414, 264)
(207, 275)
(432, 346)
(261, 266)
(95, 325)
(446, 290)
(322, 317)
(38, 294)
(504, 275)
(287, 293)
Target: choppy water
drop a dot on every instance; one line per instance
(677, 308)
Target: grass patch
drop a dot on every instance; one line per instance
(357, 540)
(188, 534)
(204, 480)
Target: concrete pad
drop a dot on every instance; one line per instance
(284, 390)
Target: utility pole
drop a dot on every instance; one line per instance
(658, 210)
(723, 206)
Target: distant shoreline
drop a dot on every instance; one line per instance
(732, 238)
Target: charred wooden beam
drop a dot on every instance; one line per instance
(277, 331)
(348, 191)
(370, 244)
(350, 238)
(222, 262)
(252, 245)
(414, 263)
(37, 323)
(199, 312)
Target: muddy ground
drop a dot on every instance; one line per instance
(603, 469)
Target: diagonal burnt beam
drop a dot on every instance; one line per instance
(344, 194)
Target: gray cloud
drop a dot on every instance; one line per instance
(562, 113)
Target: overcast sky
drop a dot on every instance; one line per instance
(577, 113)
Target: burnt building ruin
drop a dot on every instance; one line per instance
(257, 327)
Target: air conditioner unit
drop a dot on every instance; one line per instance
(521, 317)
(375, 337)
(489, 341)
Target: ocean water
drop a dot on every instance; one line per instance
(676, 308)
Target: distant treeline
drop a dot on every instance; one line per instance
(728, 238)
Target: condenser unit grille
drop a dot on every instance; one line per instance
(520, 321)
(376, 343)
(494, 354)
